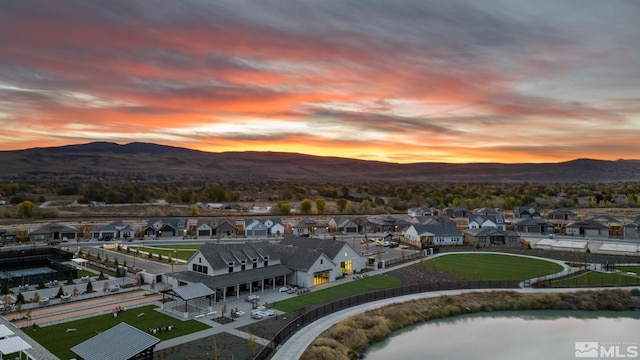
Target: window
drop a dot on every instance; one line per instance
(321, 261)
(231, 269)
(346, 267)
(200, 269)
(243, 267)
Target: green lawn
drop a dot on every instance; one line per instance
(57, 340)
(596, 278)
(334, 292)
(170, 250)
(493, 266)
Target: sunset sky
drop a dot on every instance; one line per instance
(397, 81)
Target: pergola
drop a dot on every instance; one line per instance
(10, 344)
(80, 262)
(189, 292)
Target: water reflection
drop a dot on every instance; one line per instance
(509, 335)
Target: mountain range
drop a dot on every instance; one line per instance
(103, 160)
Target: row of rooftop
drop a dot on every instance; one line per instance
(529, 220)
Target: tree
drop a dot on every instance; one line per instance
(75, 291)
(153, 284)
(341, 204)
(306, 206)
(284, 207)
(365, 206)
(195, 211)
(60, 292)
(224, 310)
(70, 279)
(36, 298)
(5, 288)
(252, 344)
(25, 209)
(20, 298)
(321, 205)
(41, 284)
(89, 288)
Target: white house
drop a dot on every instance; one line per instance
(483, 221)
(434, 234)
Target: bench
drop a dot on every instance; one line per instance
(201, 316)
(212, 313)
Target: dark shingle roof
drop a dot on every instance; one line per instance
(219, 256)
(331, 248)
(121, 342)
(298, 258)
(241, 277)
(439, 229)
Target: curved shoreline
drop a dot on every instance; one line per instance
(298, 344)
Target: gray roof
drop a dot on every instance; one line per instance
(53, 227)
(329, 247)
(486, 231)
(193, 291)
(121, 342)
(447, 230)
(176, 223)
(533, 222)
(219, 256)
(299, 258)
(241, 277)
(588, 223)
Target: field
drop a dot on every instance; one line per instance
(334, 292)
(58, 340)
(182, 252)
(596, 278)
(493, 266)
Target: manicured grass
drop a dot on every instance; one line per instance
(181, 246)
(57, 340)
(596, 278)
(334, 292)
(182, 254)
(493, 266)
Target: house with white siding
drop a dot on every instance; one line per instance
(434, 234)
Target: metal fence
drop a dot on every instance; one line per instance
(307, 316)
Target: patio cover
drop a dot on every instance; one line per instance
(190, 292)
(12, 345)
(5, 331)
(121, 342)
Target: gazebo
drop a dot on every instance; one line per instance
(189, 292)
(121, 342)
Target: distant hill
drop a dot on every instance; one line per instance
(143, 160)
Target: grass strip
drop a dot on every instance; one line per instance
(334, 292)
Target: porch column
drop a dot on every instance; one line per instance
(238, 291)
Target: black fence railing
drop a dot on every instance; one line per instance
(307, 316)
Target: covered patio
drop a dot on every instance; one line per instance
(195, 293)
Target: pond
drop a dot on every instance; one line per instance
(518, 335)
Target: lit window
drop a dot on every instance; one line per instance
(346, 254)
